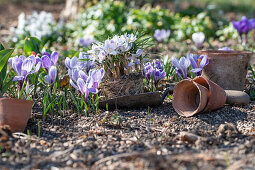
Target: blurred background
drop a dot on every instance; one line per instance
(72, 25)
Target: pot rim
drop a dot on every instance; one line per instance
(224, 52)
(15, 99)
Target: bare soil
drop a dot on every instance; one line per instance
(213, 140)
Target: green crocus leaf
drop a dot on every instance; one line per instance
(4, 56)
(1, 47)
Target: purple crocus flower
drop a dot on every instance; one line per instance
(161, 35)
(84, 83)
(158, 75)
(85, 42)
(197, 62)
(86, 86)
(181, 66)
(49, 60)
(84, 62)
(158, 65)
(52, 74)
(23, 67)
(148, 71)
(226, 49)
(134, 59)
(244, 26)
(155, 71)
(97, 76)
(87, 65)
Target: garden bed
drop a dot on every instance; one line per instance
(225, 139)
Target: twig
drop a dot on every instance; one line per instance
(123, 155)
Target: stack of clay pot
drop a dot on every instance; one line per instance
(222, 81)
(197, 95)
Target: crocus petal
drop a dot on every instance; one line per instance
(27, 65)
(73, 62)
(37, 67)
(22, 57)
(33, 59)
(93, 90)
(67, 62)
(46, 62)
(81, 85)
(97, 75)
(90, 82)
(46, 53)
(73, 84)
(193, 60)
(75, 74)
(204, 61)
(52, 74)
(139, 52)
(17, 65)
(47, 79)
(38, 59)
(18, 78)
(83, 75)
(175, 62)
(54, 57)
(196, 70)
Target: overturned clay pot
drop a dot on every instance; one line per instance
(217, 95)
(189, 98)
(15, 113)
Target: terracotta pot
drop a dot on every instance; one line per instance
(228, 69)
(217, 95)
(189, 98)
(15, 113)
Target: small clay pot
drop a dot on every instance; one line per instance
(228, 69)
(189, 98)
(217, 96)
(15, 113)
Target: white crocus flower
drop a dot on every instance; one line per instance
(198, 38)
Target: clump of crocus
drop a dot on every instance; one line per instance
(154, 71)
(161, 35)
(181, 66)
(83, 62)
(118, 54)
(244, 26)
(198, 39)
(197, 62)
(49, 60)
(24, 66)
(83, 75)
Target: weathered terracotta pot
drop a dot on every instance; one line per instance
(217, 95)
(228, 69)
(15, 113)
(189, 98)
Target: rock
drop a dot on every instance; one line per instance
(188, 137)
(227, 130)
(235, 97)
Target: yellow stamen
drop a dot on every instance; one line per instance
(198, 62)
(109, 49)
